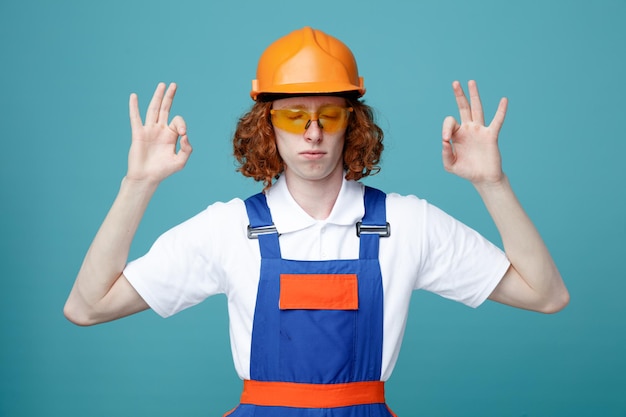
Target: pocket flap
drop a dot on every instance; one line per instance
(319, 292)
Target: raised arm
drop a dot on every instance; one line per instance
(470, 150)
(101, 292)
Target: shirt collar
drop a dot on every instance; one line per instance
(288, 216)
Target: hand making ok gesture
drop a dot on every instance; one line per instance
(153, 156)
(470, 149)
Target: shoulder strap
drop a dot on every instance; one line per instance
(374, 224)
(262, 226)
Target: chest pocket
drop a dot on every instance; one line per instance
(319, 292)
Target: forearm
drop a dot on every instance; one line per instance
(524, 248)
(108, 254)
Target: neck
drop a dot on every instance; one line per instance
(316, 197)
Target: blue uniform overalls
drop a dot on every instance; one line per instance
(318, 326)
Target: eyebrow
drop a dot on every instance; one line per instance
(303, 107)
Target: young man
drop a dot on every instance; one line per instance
(318, 269)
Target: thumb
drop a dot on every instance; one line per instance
(185, 146)
(450, 126)
(447, 155)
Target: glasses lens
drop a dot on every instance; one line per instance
(330, 118)
(291, 120)
(333, 118)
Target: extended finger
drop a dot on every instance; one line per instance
(166, 103)
(461, 101)
(498, 118)
(476, 105)
(152, 115)
(133, 110)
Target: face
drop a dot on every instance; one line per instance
(312, 154)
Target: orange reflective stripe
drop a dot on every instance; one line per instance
(319, 292)
(293, 394)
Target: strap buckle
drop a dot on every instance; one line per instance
(255, 232)
(369, 229)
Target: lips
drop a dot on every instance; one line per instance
(313, 154)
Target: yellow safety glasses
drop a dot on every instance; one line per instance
(329, 118)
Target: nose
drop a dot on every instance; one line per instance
(313, 132)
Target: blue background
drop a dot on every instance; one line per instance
(67, 68)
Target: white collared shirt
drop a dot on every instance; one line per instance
(210, 254)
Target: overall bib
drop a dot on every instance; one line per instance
(318, 326)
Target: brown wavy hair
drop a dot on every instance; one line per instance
(255, 150)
